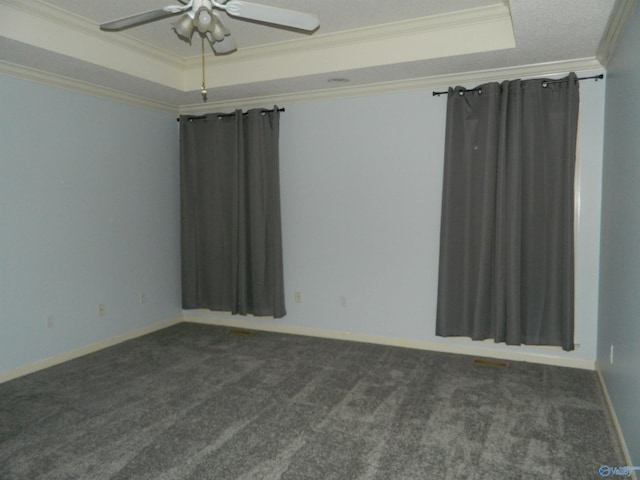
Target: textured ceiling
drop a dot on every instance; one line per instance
(335, 16)
(545, 32)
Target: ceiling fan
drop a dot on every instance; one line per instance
(203, 16)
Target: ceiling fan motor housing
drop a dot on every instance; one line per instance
(202, 15)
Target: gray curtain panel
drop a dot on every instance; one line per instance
(506, 240)
(230, 213)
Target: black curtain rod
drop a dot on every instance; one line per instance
(220, 115)
(595, 77)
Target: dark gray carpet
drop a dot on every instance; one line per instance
(199, 402)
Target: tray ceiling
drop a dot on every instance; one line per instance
(361, 44)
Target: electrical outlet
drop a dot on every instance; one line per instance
(101, 310)
(343, 301)
(51, 321)
(143, 298)
(298, 297)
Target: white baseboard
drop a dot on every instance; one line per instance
(616, 423)
(64, 357)
(473, 348)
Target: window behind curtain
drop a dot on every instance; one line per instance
(230, 213)
(506, 241)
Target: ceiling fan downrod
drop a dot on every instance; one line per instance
(204, 86)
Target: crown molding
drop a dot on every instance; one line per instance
(321, 49)
(547, 69)
(70, 20)
(59, 81)
(397, 42)
(50, 28)
(622, 11)
(47, 27)
(387, 31)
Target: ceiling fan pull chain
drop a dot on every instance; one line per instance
(204, 87)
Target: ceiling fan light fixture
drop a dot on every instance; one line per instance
(184, 27)
(218, 29)
(202, 15)
(203, 19)
(217, 33)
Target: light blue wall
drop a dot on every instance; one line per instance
(88, 214)
(89, 205)
(619, 316)
(361, 183)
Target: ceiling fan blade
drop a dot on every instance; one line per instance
(139, 19)
(273, 15)
(224, 46)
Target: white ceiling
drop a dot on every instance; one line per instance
(369, 43)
